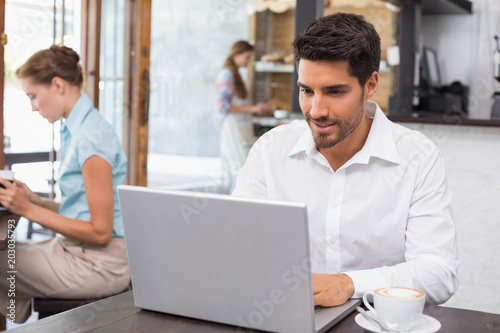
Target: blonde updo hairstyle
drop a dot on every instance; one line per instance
(57, 61)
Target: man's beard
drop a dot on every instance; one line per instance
(344, 127)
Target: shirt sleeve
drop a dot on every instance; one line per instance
(431, 250)
(99, 141)
(251, 181)
(224, 91)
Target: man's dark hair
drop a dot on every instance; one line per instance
(341, 36)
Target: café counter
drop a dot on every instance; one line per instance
(443, 119)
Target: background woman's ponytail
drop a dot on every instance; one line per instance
(238, 48)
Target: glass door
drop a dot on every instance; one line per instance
(189, 43)
(112, 64)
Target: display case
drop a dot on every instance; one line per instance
(272, 71)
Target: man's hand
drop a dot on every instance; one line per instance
(331, 290)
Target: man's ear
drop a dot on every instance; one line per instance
(58, 84)
(371, 85)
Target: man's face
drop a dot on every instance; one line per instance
(332, 101)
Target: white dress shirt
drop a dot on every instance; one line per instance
(384, 217)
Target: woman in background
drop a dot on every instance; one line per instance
(232, 112)
(89, 259)
(232, 92)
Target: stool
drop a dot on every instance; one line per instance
(50, 306)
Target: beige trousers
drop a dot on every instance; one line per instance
(60, 268)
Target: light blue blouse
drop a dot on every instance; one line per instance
(86, 133)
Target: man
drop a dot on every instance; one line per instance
(379, 207)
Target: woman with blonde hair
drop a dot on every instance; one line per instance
(233, 110)
(88, 258)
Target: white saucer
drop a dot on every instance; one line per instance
(425, 325)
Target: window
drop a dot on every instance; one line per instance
(189, 42)
(31, 26)
(112, 67)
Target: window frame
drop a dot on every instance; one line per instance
(136, 105)
(2, 78)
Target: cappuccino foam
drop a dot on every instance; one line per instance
(396, 292)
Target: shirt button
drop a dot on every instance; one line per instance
(334, 205)
(332, 240)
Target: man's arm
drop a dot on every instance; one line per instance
(431, 259)
(251, 180)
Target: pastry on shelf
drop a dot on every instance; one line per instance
(274, 57)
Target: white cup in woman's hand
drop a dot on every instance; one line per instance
(7, 174)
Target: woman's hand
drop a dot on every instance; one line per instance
(267, 108)
(32, 196)
(15, 196)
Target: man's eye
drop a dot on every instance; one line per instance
(335, 92)
(305, 91)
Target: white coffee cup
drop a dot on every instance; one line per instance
(396, 308)
(7, 174)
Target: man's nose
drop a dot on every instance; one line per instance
(319, 108)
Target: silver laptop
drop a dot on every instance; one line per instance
(226, 259)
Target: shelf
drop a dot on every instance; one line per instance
(274, 6)
(411, 12)
(270, 67)
(442, 7)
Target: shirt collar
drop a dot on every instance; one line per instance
(379, 143)
(305, 143)
(78, 113)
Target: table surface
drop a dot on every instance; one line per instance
(119, 314)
